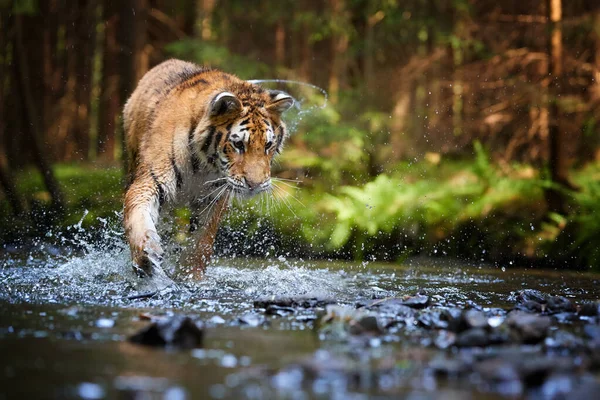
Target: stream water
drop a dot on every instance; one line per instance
(65, 317)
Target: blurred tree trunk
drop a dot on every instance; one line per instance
(7, 182)
(133, 60)
(595, 90)
(32, 115)
(85, 40)
(204, 14)
(457, 80)
(338, 48)
(305, 46)
(280, 42)
(558, 161)
(109, 102)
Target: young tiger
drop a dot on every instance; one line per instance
(195, 135)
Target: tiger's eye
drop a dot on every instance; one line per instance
(239, 145)
(268, 145)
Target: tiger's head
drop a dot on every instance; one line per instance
(248, 132)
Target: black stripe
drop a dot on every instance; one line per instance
(211, 161)
(218, 141)
(191, 83)
(178, 176)
(244, 122)
(195, 161)
(208, 139)
(159, 187)
(229, 126)
(280, 135)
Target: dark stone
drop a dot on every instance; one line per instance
(295, 302)
(476, 337)
(589, 309)
(531, 307)
(391, 307)
(365, 325)
(432, 319)
(279, 311)
(416, 301)
(528, 328)
(535, 369)
(559, 304)
(531, 295)
(454, 317)
(176, 331)
(497, 370)
(445, 367)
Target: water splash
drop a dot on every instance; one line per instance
(299, 100)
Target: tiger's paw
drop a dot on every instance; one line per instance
(149, 255)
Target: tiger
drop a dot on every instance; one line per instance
(195, 136)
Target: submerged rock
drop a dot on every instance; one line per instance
(177, 331)
(252, 319)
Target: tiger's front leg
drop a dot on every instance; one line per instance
(140, 216)
(196, 257)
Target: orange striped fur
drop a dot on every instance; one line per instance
(195, 136)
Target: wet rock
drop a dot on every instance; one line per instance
(559, 304)
(432, 319)
(340, 322)
(475, 319)
(475, 337)
(417, 301)
(497, 370)
(454, 317)
(445, 339)
(279, 310)
(530, 295)
(391, 307)
(531, 307)
(535, 369)
(252, 319)
(448, 367)
(528, 328)
(565, 317)
(589, 309)
(305, 318)
(563, 340)
(293, 302)
(367, 324)
(592, 331)
(498, 336)
(177, 331)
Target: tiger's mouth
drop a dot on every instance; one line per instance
(244, 188)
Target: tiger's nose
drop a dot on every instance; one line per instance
(253, 184)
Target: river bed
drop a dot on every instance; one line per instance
(65, 319)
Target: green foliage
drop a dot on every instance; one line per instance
(208, 53)
(428, 208)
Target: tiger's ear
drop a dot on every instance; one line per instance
(280, 101)
(224, 103)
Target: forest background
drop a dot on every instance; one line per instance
(466, 128)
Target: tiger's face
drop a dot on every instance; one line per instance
(249, 133)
